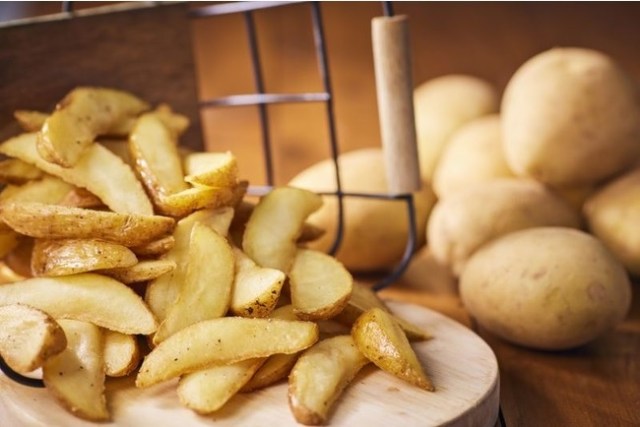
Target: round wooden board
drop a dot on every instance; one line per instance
(461, 365)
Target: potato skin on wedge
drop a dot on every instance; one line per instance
(319, 377)
(381, 339)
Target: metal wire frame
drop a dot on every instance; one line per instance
(261, 99)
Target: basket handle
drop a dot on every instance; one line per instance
(394, 87)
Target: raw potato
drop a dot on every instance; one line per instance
(546, 288)
(461, 223)
(570, 117)
(71, 256)
(121, 353)
(381, 339)
(319, 377)
(442, 105)
(375, 231)
(612, 215)
(474, 154)
(28, 337)
(76, 376)
(84, 297)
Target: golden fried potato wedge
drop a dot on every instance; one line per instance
(15, 171)
(364, 298)
(275, 225)
(76, 376)
(49, 190)
(319, 377)
(381, 339)
(121, 353)
(176, 123)
(8, 275)
(274, 369)
(99, 171)
(208, 390)
(155, 247)
(206, 291)
(211, 169)
(192, 199)
(81, 198)
(256, 290)
(64, 222)
(80, 117)
(28, 337)
(320, 285)
(142, 271)
(71, 256)
(30, 120)
(154, 150)
(222, 341)
(84, 297)
(9, 240)
(19, 259)
(162, 292)
(310, 232)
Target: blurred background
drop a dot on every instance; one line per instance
(486, 39)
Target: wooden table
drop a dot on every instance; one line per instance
(595, 385)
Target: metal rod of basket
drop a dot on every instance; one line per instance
(19, 378)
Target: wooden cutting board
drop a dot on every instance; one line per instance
(462, 367)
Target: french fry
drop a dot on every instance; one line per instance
(88, 297)
(206, 291)
(71, 256)
(76, 376)
(63, 222)
(320, 285)
(256, 290)
(275, 225)
(28, 337)
(142, 271)
(222, 341)
(99, 171)
(319, 377)
(381, 339)
(121, 353)
(211, 169)
(15, 171)
(80, 117)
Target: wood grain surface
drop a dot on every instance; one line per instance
(596, 385)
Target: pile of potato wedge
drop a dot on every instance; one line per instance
(123, 254)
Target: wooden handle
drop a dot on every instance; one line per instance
(392, 62)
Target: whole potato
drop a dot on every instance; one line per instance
(612, 215)
(464, 221)
(375, 230)
(571, 116)
(441, 106)
(546, 288)
(473, 154)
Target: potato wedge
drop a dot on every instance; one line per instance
(275, 225)
(80, 117)
(176, 123)
(63, 222)
(211, 169)
(49, 190)
(15, 171)
(81, 198)
(142, 271)
(320, 285)
(364, 298)
(155, 247)
(71, 256)
(8, 275)
(222, 341)
(192, 199)
(162, 292)
(28, 337)
(9, 240)
(256, 290)
(319, 377)
(83, 297)
(99, 171)
(76, 376)
(206, 291)
(274, 369)
(208, 390)
(381, 339)
(121, 353)
(19, 259)
(30, 120)
(153, 148)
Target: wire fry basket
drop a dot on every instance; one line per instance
(261, 99)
